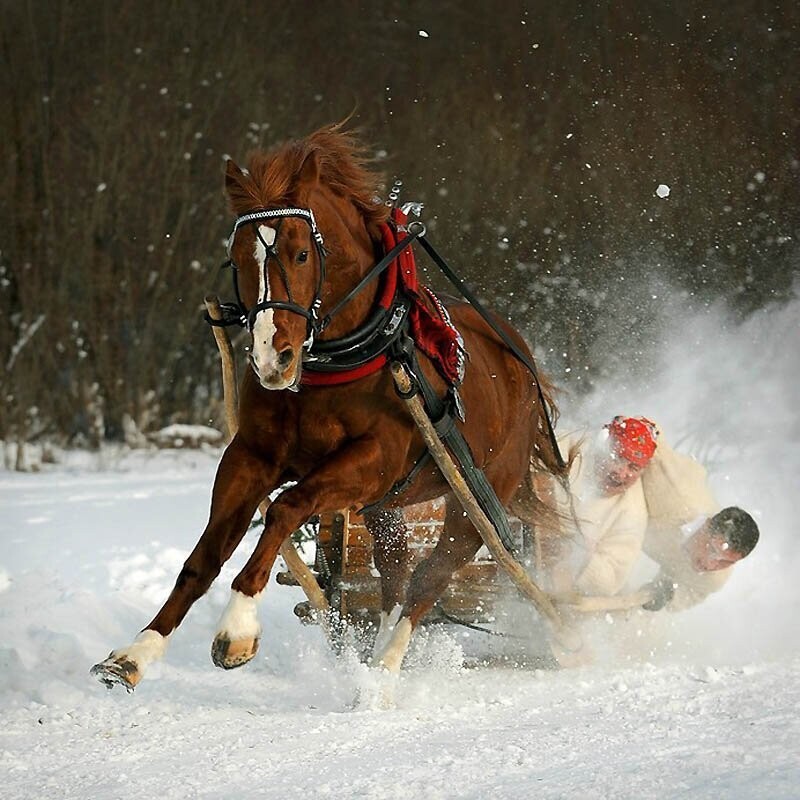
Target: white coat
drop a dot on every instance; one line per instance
(678, 502)
(604, 535)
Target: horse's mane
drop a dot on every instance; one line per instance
(345, 168)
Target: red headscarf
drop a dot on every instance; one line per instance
(633, 438)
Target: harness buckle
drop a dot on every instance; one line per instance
(313, 325)
(397, 317)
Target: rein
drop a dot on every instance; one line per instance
(470, 297)
(369, 277)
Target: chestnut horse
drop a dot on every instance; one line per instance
(342, 445)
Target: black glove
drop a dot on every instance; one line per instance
(661, 590)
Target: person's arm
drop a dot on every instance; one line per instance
(610, 564)
(693, 589)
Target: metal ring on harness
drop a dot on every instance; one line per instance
(416, 228)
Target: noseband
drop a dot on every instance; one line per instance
(247, 317)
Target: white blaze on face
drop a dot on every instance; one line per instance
(264, 356)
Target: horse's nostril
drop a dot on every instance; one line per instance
(285, 357)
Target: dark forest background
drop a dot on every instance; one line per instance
(535, 133)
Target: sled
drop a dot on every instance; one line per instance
(344, 569)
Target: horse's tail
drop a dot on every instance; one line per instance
(534, 501)
(545, 455)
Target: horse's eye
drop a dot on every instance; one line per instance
(302, 257)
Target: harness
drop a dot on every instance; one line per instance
(400, 324)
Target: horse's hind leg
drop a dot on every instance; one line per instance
(391, 554)
(458, 543)
(242, 482)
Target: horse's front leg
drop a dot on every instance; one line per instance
(344, 479)
(242, 482)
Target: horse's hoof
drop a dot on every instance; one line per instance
(377, 693)
(119, 670)
(229, 654)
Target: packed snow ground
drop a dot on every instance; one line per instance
(705, 704)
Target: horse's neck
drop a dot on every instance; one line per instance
(351, 259)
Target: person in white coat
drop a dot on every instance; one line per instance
(630, 492)
(602, 514)
(597, 524)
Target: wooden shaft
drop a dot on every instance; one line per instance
(453, 476)
(230, 386)
(295, 564)
(304, 576)
(595, 604)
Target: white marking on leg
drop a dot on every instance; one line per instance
(239, 620)
(147, 647)
(392, 656)
(264, 355)
(385, 629)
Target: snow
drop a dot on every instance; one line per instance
(702, 704)
(662, 190)
(181, 435)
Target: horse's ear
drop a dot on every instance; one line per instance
(234, 177)
(309, 171)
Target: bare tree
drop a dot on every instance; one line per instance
(536, 136)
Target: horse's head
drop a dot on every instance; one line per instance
(279, 266)
(276, 248)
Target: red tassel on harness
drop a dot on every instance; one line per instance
(430, 329)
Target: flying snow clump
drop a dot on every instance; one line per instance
(662, 190)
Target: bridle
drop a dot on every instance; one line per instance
(239, 314)
(247, 317)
